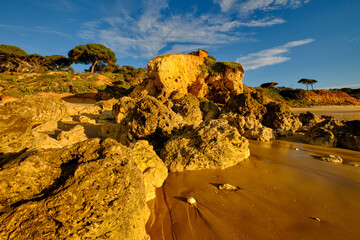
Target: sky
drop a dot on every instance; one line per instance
(275, 40)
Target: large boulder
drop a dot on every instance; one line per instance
(279, 117)
(308, 120)
(122, 108)
(213, 144)
(320, 136)
(149, 119)
(245, 105)
(188, 107)
(91, 190)
(249, 126)
(201, 76)
(153, 168)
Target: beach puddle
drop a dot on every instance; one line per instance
(284, 192)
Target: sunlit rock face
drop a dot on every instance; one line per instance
(202, 76)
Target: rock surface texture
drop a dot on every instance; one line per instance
(179, 74)
(213, 144)
(91, 190)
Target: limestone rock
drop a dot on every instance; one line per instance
(106, 108)
(309, 119)
(181, 74)
(89, 191)
(245, 105)
(19, 116)
(320, 136)
(189, 108)
(47, 127)
(122, 108)
(153, 168)
(74, 135)
(331, 158)
(43, 141)
(213, 144)
(210, 110)
(149, 119)
(281, 119)
(263, 134)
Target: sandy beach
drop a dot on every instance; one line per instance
(285, 192)
(343, 112)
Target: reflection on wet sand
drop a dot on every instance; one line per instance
(284, 193)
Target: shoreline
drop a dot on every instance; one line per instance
(283, 191)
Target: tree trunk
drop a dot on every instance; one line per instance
(93, 66)
(307, 87)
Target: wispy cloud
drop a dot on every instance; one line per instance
(158, 28)
(345, 86)
(41, 29)
(270, 56)
(250, 6)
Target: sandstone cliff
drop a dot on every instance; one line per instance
(202, 76)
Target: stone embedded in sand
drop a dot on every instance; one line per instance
(331, 158)
(309, 119)
(227, 186)
(212, 145)
(191, 200)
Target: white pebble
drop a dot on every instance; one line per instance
(191, 200)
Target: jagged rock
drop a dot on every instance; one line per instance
(281, 119)
(153, 168)
(110, 130)
(229, 187)
(43, 141)
(189, 108)
(331, 158)
(106, 108)
(18, 117)
(85, 119)
(213, 144)
(263, 134)
(91, 190)
(320, 136)
(149, 119)
(309, 119)
(210, 110)
(245, 105)
(83, 109)
(122, 108)
(47, 127)
(249, 126)
(181, 74)
(74, 135)
(350, 137)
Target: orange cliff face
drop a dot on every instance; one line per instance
(327, 97)
(179, 74)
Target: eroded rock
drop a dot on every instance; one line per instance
(213, 144)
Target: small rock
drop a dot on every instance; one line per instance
(191, 201)
(227, 186)
(316, 219)
(296, 149)
(355, 164)
(331, 158)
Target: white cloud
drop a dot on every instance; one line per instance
(345, 86)
(270, 56)
(247, 7)
(41, 29)
(158, 28)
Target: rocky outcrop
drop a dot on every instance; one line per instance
(320, 136)
(281, 119)
(179, 74)
(122, 108)
(210, 110)
(91, 190)
(74, 135)
(149, 119)
(245, 105)
(332, 133)
(19, 116)
(152, 167)
(308, 120)
(213, 144)
(188, 107)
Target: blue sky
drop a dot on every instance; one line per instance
(275, 40)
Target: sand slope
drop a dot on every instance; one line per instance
(282, 193)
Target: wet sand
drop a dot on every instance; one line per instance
(344, 112)
(283, 193)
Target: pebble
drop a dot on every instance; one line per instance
(331, 158)
(191, 200)
(227, 186)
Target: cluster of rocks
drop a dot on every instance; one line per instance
(81, 171)
(328, 132)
